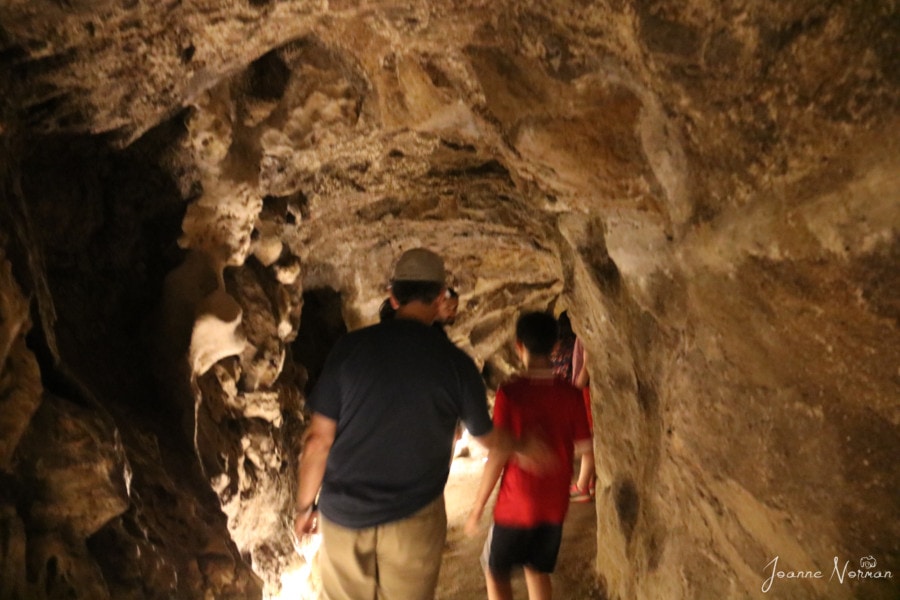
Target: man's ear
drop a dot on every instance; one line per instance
(439, 300)
(395, 304)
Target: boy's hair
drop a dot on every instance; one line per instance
(537, 331)
(406, 291)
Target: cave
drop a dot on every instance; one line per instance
(198, 198)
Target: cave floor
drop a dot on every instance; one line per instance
(461, 577)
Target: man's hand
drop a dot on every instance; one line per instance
(534, 455)
(303, 533)
(530, 451)
(306, 522)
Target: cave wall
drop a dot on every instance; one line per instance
(710, 189)
(730, 427)
(98, 500)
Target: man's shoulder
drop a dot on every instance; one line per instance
(350, 343)
(408, 336)
(378, 331)
(355, 336)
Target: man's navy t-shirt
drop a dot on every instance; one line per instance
(396, 391)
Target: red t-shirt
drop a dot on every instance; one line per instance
(553, 409)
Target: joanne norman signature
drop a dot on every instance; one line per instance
(866, 570)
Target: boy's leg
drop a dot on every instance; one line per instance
(539, 586)
(500, 554)
(541, 562)
(499, 587)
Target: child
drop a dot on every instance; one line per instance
(583, 489)
(531, 507)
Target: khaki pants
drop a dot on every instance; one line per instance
(395, 561)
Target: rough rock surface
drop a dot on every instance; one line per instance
(196, 197)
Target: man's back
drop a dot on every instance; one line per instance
(377, 449)
(553, 410)
(396, 391)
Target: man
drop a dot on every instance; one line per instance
(379, 443)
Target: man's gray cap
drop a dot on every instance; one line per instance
(419, 264)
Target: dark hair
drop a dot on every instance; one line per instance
(408, 291)
(565, 328)
(386, 311)
(537, 332)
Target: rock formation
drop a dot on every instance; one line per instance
(197, 197)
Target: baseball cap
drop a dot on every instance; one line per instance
(419, 264)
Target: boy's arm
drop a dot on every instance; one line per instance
(497, 458)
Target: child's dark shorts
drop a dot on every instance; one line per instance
(535, 547)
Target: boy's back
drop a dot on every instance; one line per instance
(552, 409)
(531, 507)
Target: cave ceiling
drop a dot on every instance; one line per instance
(490, 119)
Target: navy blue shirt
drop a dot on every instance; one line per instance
(396, 391)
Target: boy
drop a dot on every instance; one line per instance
(531, 507)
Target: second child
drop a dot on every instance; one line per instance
(531, 507)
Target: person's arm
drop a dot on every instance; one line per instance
(580, 376)
(493, 468)
(583, 378)
(587, 470)
(311, 470)
(531, 452)
(497, 439)
(583, 447)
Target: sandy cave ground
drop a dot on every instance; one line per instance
(461, 577)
